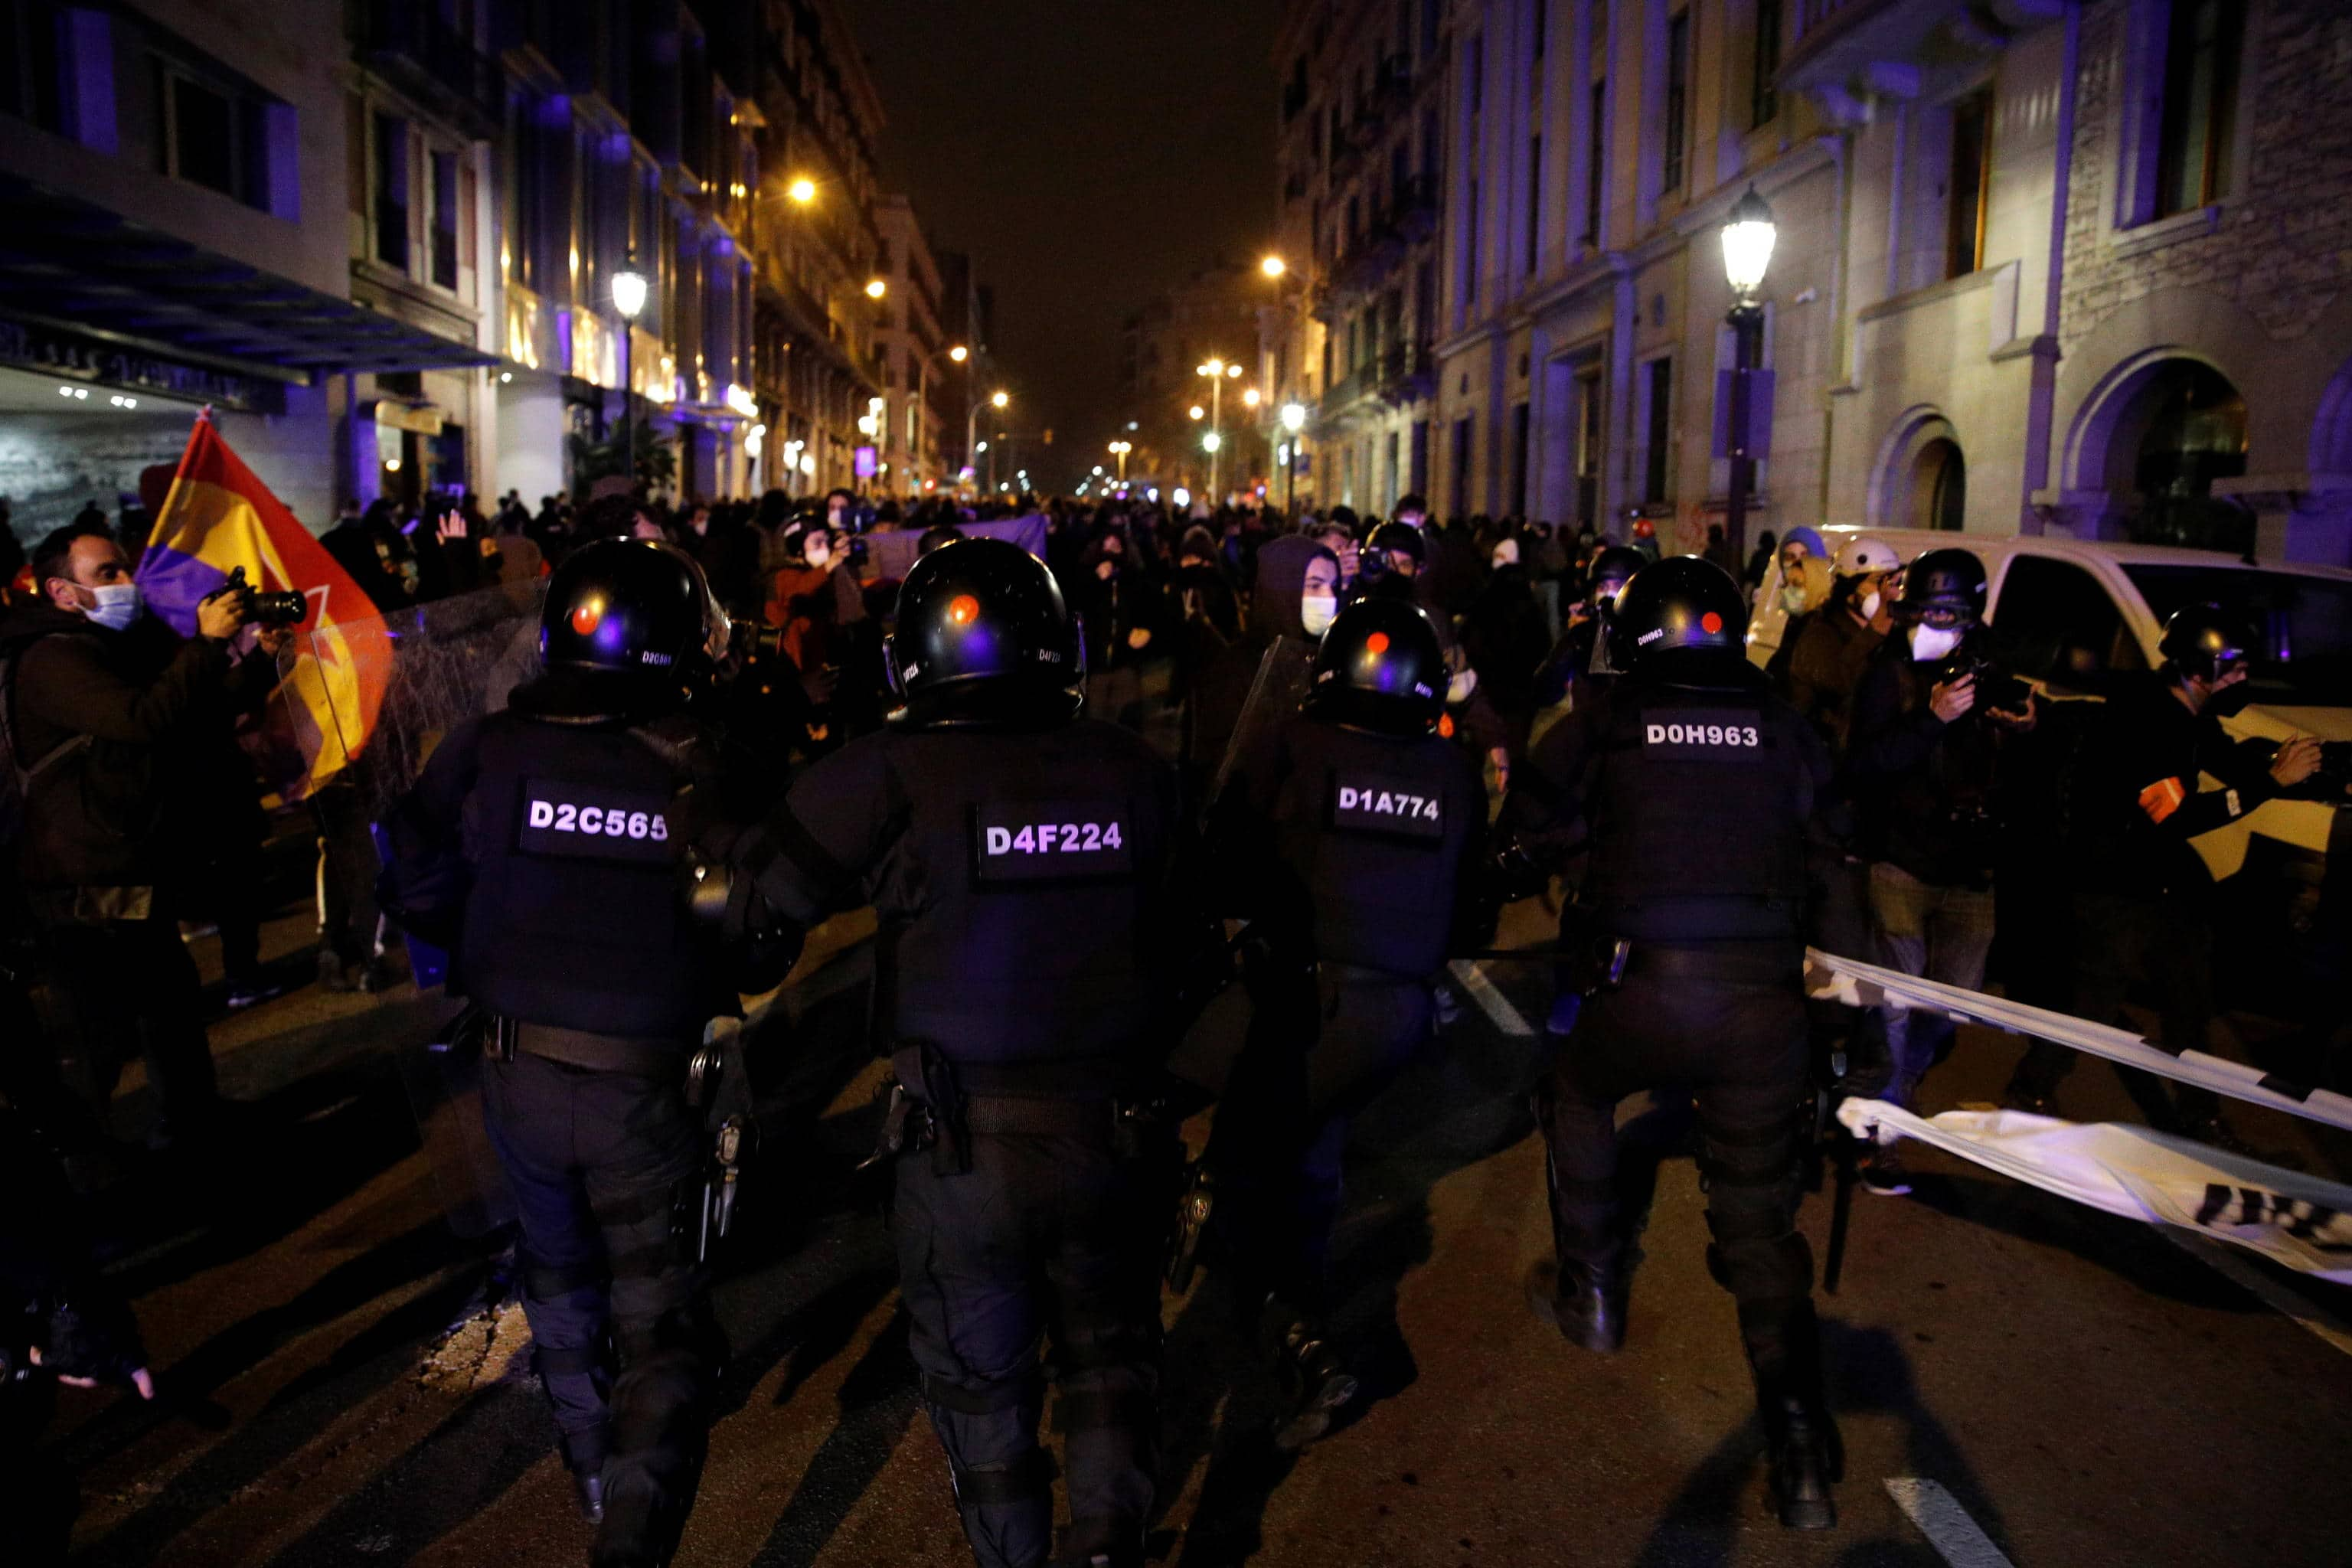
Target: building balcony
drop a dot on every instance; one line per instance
(1408, 374)
(409, 44)
(1412, 208)
(1848, 53)
(1356, 387)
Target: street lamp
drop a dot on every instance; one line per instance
(1218, 372)
(629, 300)
(1197, 412)
(1120, 449)
(958, 353)
(1274, 266)
(802, 190)
(1747, 251)
(876, 288)
(971, 427)
(1294, 419)
(922, 401)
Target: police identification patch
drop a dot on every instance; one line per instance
(594, 822)
(1050, 841)
(1703, 735)
(1371, 802)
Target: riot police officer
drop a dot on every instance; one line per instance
(1346, 847)
(1580, 657)
(543, 843)
(1690, 787)
(1019, 859)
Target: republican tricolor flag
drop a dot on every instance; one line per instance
(217, 517)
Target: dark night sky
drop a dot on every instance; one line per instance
(1088, 153)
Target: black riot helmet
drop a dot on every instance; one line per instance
(1381, 667)
(1947, 585)
(1683, 604)
(2204, 642)
(1402, 537)
(1616, 564)
(634, 607)
(983, 637)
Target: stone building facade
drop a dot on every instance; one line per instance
(2040, 265)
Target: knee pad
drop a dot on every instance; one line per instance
(1761, 1268)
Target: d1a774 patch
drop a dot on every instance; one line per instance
(1372, 803)
(594, 822)
(1051, 841)
(1703, 734)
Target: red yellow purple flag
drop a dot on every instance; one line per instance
(217, 517)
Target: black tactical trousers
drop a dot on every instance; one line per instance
(1049, 1233)
(1319, 1051)
(1736, 1040)
(131, 989)
(598, 1162)
(2158, 948)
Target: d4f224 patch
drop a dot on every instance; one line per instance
(591, 822)
(1703, 734)
(1369, 803)
(1051, 841)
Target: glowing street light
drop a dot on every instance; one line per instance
(802, 190)
(875, 288)
(1250, 397)
(1274, 266)
(628, 299)
(1747, 251)
(1197, 412)
(1001, 400)
(1211, 441)
(1120, 449)
(1294, 417)
(958, 353)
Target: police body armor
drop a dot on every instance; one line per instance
(1375, 828)
(574, 919)
(1699, 790)
(1017, 909)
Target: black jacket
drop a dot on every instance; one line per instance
(2135, 800)
(158, 788)
(1925, 791)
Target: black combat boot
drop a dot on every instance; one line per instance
(1806, 1457)
(583, 1456)
(1586, 1302)
(1316, 1379)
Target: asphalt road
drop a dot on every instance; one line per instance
(347, 1382)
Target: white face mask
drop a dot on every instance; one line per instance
(1459, 688)
(1869, 607)
(816, 552)
(1316, 611)
(1929, 644)
(117, 606)
(1792, 599)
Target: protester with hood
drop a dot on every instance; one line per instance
(1505, 638)
(1804, 572)
(1123, 616)
(1295, 597)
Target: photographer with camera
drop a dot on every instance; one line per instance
(2145, 902)
(1930, 722)
(136, 801)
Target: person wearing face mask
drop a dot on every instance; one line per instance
(1505, 638)
(133, 788)
(1580, 657)
(2145, 903)
(1925, 759)
(1828, 651)
(1123, 614)
(1805, 574)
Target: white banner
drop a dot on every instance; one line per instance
(1861, 985)
(2303, 1222)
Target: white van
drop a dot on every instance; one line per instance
(2071, 611)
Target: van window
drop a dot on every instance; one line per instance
(2053, 621)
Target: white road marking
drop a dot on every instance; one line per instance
(2226, 1262)
(1945, 1524)
(1490, 999)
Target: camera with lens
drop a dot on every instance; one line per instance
(750, 640)
(1996, 686)
(265, 609)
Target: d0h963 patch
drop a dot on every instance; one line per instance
(1703, 734)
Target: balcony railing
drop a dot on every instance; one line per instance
(1408, 374)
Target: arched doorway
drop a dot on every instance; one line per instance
(1939, 486)
(2154, 437)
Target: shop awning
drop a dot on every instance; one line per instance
(65, 263)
